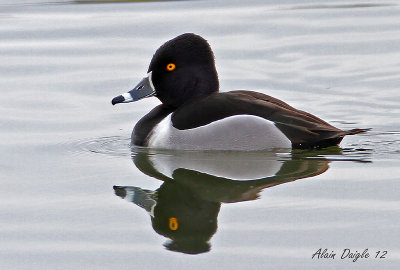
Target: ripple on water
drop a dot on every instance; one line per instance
(369, 145)
(379, 144)
(117, 146)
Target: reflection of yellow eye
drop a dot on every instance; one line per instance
(171, 66)
(173, 222)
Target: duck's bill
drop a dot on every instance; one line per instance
(145, 88)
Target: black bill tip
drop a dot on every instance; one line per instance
(118, 99)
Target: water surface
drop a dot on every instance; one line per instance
(66, 159)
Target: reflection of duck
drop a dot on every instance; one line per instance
(186, 206)
(178, 214)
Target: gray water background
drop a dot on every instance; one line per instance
(63, 146)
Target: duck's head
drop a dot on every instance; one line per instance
(181, 70)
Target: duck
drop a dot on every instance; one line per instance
(195, 115)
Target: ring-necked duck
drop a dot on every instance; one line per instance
(195, 115)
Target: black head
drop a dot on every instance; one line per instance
(183, 69)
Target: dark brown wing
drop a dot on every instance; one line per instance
(303, 129)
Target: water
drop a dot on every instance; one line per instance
(66, 161)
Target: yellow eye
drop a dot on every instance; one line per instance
(171, 66)
(173, 223)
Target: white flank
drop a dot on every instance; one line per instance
(239, 132)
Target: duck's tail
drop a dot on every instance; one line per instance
(357, 131)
